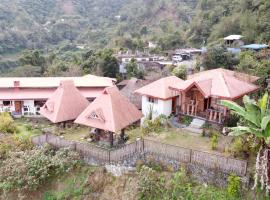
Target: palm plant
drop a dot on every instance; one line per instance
(256, 122)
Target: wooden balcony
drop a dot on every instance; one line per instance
(211, 115)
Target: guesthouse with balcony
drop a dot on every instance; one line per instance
(26, 95)
(201, 93)
(199, 96)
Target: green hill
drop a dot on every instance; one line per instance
(95, 23)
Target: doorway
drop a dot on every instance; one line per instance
(18, 107)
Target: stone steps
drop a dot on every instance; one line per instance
(197, 123)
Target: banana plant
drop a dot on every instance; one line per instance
(256, 121)
(256, 116)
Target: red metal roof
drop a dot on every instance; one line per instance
(111, 111)
(65, 104)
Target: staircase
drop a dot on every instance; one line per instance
(196, 126)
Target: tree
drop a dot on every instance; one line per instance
(254, 64)
(216, 57)
(180, 71)
(33, 58)
(106, 64)
(133, 69)
(255, 122)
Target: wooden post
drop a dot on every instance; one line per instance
(111, 139)
(122, 135)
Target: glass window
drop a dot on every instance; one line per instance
(7, 103)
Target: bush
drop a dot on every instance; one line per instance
(7, 123)
(150, 185)
(156, 125)
(28, 127)
(214, 142)
(180, 71)
(232, 120)
(234, 186)
(29, 169)
(186, 120)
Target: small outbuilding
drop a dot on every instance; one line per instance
(65, 104)
(111, 112)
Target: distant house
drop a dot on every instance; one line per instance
(152, 45)
(25, 96)
(158, 98)
(201, 93)
(185, 54)
(233, 41)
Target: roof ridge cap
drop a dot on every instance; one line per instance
(225, 81)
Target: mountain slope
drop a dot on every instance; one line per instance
(41, 24)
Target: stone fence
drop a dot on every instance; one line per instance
(130, 153)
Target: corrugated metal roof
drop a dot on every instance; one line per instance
(255, 46)
(233, 37)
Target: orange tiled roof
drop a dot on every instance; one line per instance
(111, 111)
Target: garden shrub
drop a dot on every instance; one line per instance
(180, 71)
(155, 125)
(150, 186)
(29, 169)
(232, 120)
(28, 127)
(5, 148)
(186, 120)
(234, 186)
(214, 141)
(7, 124)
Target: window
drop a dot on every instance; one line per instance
(7, 103)
(152, 100)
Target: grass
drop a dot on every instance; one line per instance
(184, 139)
(76, 133)
(72, 186)
(26, 130)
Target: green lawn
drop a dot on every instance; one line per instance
(183, 138)
(76, 133)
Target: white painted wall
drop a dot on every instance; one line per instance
(30, 104)
(160, 107)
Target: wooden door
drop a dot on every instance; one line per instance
(18, 106)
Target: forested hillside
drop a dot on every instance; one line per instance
(216, 19)
(95, 23)
(109, 23)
